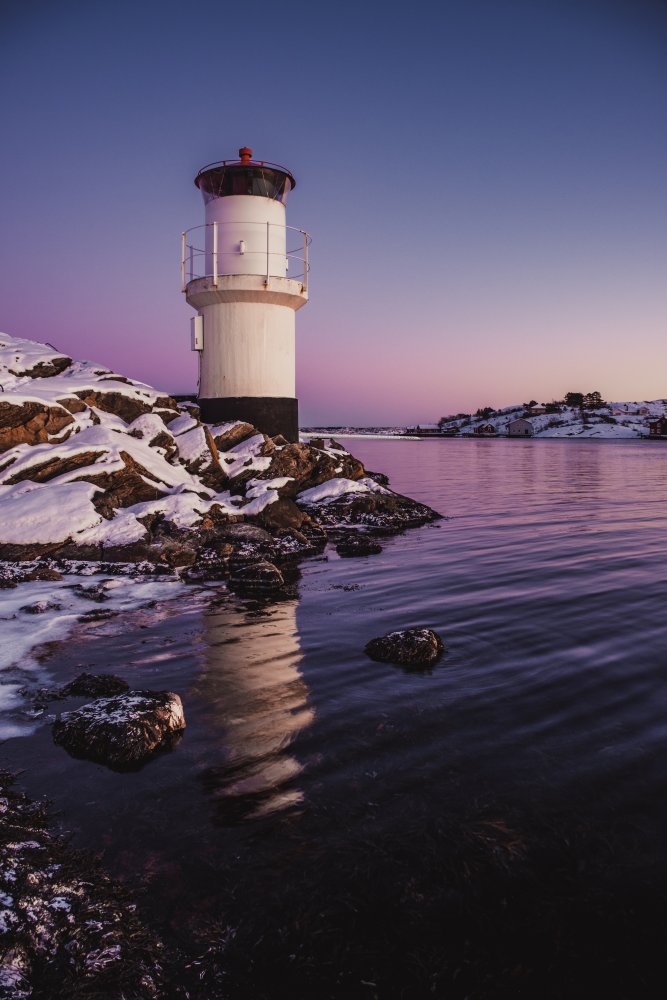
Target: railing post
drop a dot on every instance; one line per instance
(183, 249)
(192, 262)
(268, 271)
(305, 262)
(215, 254)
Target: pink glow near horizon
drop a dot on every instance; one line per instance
(489, 225)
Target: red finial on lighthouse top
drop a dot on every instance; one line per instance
(245, 153)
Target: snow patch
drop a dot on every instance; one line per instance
(38, 515)
(334, 488)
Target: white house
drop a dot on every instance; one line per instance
(520, 428)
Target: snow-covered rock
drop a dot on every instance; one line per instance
(95, 465)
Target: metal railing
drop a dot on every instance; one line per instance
(270, 257)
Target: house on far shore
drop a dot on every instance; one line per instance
(485, 429)
(624, 410)
(658, 428)
(536, 411)
(520, 428)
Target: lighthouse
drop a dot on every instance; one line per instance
(245, 272)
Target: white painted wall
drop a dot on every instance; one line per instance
(242, 217)
(249, 350)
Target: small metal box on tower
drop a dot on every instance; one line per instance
(234, 273)
(197, 333)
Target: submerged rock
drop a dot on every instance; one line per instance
(358, 545)
(95, 685)
(123, 730)
(412, 647)
(97, 615)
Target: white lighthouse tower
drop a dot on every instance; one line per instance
(246, 273)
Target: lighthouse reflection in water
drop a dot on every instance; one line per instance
(257, 700)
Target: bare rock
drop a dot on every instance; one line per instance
(123, 487)
(43, 573)
(44, 369)
(44, 470)
(176, 553)
(249, 533)
(358, 544)
(30, 422)
(166, 442)
(121, 731)
(73, 404)
(234, 435)
(95, 685)
(307, 466)
(27, 553)
(261, 578)
(283, 514)
(412, 647)
(134, 552)
(379, 477)
(214, 517)
(128, 408)
(212, 563)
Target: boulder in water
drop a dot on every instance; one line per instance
(121, 731)
(411, 647)
(262, 578)
(358, 544)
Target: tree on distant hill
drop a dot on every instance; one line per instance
(530, 404)
(484, 412)
(593, 400)
(574, 399)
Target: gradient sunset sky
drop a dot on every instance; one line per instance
(484, 181)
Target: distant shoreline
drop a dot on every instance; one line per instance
(377, 436)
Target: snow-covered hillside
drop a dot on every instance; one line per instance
(615, 420)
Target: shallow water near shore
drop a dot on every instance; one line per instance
(333, 827)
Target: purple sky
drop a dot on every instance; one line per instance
(484, 182)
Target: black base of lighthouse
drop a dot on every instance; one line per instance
(270, 414)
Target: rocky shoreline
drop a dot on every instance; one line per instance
(98, 470)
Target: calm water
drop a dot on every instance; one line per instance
(496, 827)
